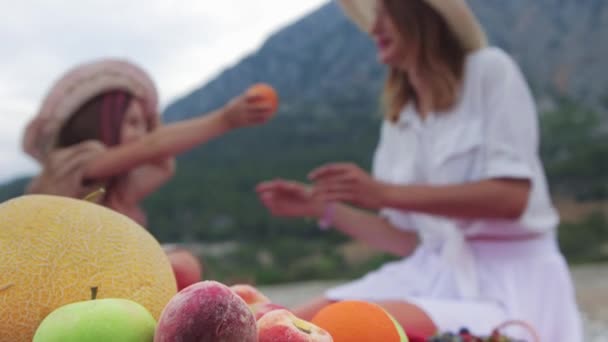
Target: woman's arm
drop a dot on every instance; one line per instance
(373, 230)
(292, 199)
(168, 141)
(494, 198)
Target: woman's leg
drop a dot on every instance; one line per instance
(412, 318)
(309, 310)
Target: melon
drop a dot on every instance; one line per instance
(54, 250)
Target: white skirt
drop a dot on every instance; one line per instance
(519, 280)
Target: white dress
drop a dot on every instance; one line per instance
(491, 133)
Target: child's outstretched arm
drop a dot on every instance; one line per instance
(146, 179)
(171, 140)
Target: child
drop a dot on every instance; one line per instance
(99, 127)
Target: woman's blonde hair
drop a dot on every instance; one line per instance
(440, 60)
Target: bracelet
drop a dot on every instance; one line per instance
(327, 219)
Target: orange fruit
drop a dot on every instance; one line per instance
(267, 93)
(359, 321)
(53, 250)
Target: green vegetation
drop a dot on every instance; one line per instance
(575, 152)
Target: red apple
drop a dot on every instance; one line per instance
(206, 311)
(283, 326)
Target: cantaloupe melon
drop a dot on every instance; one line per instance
(53, 250)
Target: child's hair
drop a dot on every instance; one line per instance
(100, 119)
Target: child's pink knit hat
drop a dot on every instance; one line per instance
(78, 86)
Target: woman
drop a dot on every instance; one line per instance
(457, 181)
(99, 127)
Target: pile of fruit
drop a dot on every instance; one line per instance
(73, 271)
(464, 335)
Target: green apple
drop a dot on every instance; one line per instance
(96, 321)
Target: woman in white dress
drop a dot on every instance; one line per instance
(457, 183)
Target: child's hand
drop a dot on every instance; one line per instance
(289, 199)
(63, 171)
(247, 110)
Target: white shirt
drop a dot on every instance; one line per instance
(492, 132)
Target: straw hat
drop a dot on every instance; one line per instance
(78, 86)
(456, 13)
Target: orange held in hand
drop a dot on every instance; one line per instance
(359, 321)
(266, 93)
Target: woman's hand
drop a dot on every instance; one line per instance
(289, 199)
(246, 110)
(292, 199)
(346, 182)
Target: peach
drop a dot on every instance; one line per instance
(206, 311)
(261, 309)
(282, 326)
(186, 267)
(249, 294)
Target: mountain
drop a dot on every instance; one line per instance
(318, 57)
(12, 189)
(558, 43)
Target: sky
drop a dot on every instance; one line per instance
(182, 44)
